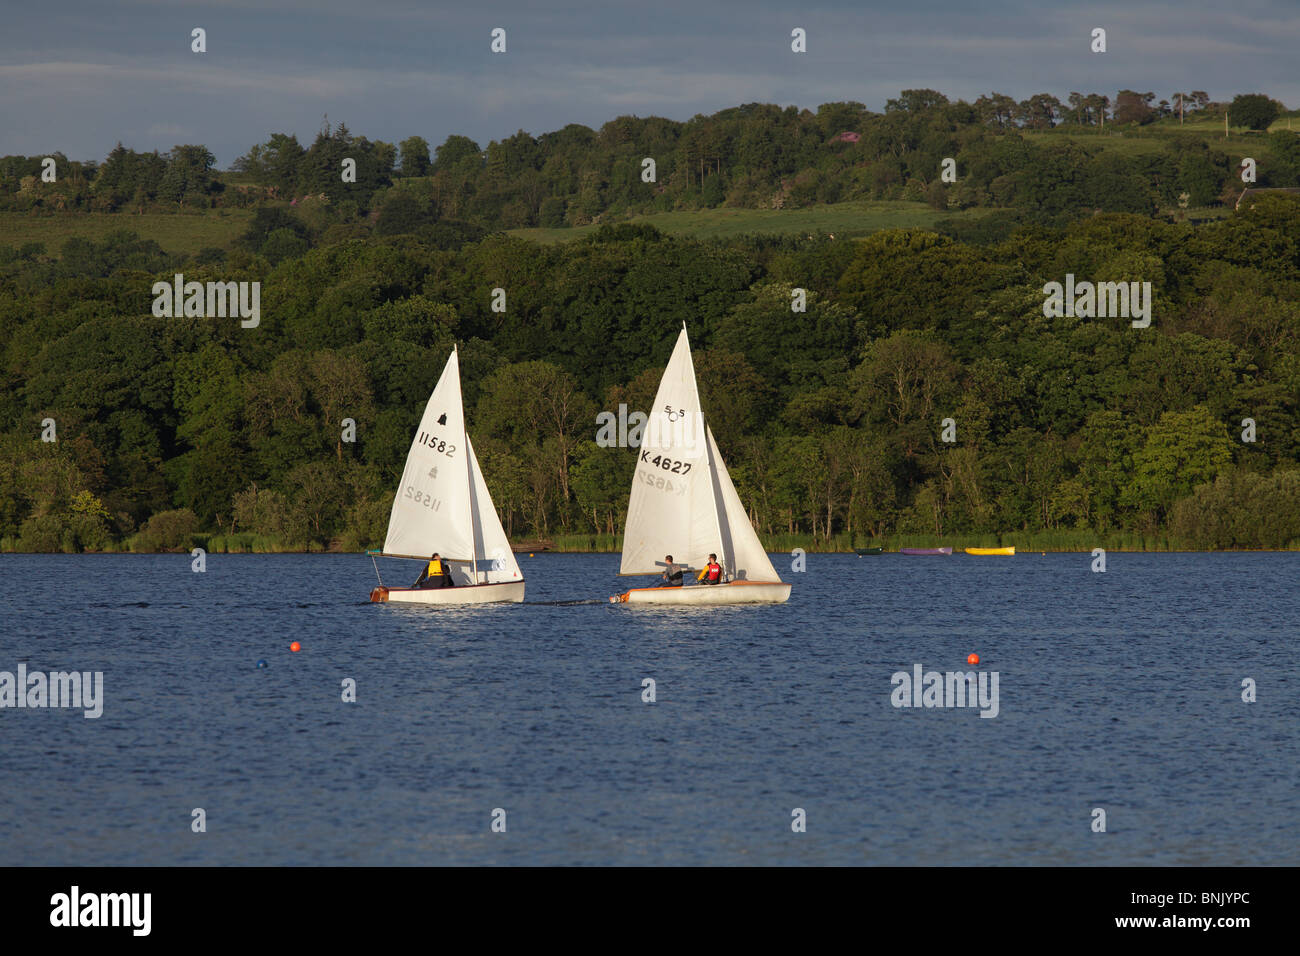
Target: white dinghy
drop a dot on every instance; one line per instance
(443, 506)
(684, 504)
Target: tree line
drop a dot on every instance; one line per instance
(751, 156)
(831, 419)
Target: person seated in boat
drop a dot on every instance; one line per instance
(672, 576)
(436, 574)
(711, 573)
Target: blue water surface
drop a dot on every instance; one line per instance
(1120, 691)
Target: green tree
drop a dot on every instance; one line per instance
(402, 213)
(415, 156)
(455, 151)
(915, 101)
(189, 175)
(1253, 110)
(1180, 451)
(275, 162)
(538, 409)
(552, 212)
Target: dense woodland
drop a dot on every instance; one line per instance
(830, 419)
(751, 156)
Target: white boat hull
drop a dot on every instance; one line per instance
(702, 595)
(506, 591)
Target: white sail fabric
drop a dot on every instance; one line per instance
(671, 509)
(683, 502)
(746, 560)
(432, 509)
(496, 562)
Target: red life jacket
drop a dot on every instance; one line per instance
(714, 571)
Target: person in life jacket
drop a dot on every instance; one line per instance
(712, 572)
(672, 576)
(436, 574)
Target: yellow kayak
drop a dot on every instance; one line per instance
(986, 551)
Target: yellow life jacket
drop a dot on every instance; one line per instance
(434, 569)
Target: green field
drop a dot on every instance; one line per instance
(1157, 136)
(849, 218)
(175, 232)
(188, 233)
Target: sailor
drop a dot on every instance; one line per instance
(436, 574)
(672, 576)
(712, 572)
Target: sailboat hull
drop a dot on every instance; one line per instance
(702, 595)
(511, 592)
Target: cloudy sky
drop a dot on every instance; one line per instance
(80, 75)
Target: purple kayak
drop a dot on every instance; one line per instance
(925, 550)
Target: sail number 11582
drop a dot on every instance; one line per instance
(433, 444)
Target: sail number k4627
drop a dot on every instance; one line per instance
(664, 463)
(655, 480)
(433, 444)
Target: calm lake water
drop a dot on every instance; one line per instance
(1119, 690)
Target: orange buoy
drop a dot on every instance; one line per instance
(295, 647)
(973, 659)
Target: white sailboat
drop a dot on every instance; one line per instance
(684, 504)
(443, 506)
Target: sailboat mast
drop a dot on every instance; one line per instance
(469, 472)
(713, 485)
(724, 535)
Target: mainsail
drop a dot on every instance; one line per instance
(683, 502)
(442, 503)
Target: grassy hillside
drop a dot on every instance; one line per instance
(1136, 140)
(188, 233)
(175, 232)
(849, 218)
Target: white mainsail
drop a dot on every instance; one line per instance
(683, 502)
(442, 503)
